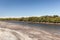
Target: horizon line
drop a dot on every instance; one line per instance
(23, 16)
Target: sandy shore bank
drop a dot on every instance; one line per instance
(20, 32)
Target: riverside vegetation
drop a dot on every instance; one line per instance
(48, 19)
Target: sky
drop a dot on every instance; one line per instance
(16, 8)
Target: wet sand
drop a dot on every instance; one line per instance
(11, 31)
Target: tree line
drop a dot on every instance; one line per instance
(50, 19)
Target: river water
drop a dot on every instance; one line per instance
(52, 28)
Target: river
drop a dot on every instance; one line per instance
(17, 30)
(52, 28)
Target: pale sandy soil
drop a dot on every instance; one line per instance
(10, 31)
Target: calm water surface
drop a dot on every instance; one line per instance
(52, 28)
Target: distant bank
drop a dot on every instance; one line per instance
(55, 19)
